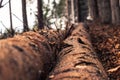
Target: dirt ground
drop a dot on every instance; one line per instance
(106, 42)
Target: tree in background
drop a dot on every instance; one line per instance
(56, 14)
(93, 9)
(66, 9)
(72, 10)
(72, 15)
(104, 11)
(100, 9)
(40, 14)
(78, 10)
(24, 14)
(82, 10)
(76, 5)
(11, 25)
(115, 8)
(108, 11)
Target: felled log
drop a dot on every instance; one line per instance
(78, 60)
(25, 57)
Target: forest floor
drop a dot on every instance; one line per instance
(106, 42)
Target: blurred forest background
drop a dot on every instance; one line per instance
(57, 13)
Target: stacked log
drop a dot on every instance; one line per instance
(25, 57)
(78, 60)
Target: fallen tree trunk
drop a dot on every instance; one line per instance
(25, 57)
(78, 60)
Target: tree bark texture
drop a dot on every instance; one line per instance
(25, 57)
(104, 11)
(24, 14)
(77, 60)
(115, 8)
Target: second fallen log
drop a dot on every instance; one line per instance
(78, 60)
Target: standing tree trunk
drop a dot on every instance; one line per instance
(82, 10)
(69, 10)
(115, 8)
(119, 3)
(24, 14)
(40, 15)
(76, 10)
(66, 9)
(11, 25)
(93, 9)
(72, 11)
(104, 11)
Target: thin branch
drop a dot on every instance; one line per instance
(5, 26)
(17, 17)
(1, 3)
(5, 3)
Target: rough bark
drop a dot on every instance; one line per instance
(115, 8)
(25, 57)
(78, 60)
(104, 11)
